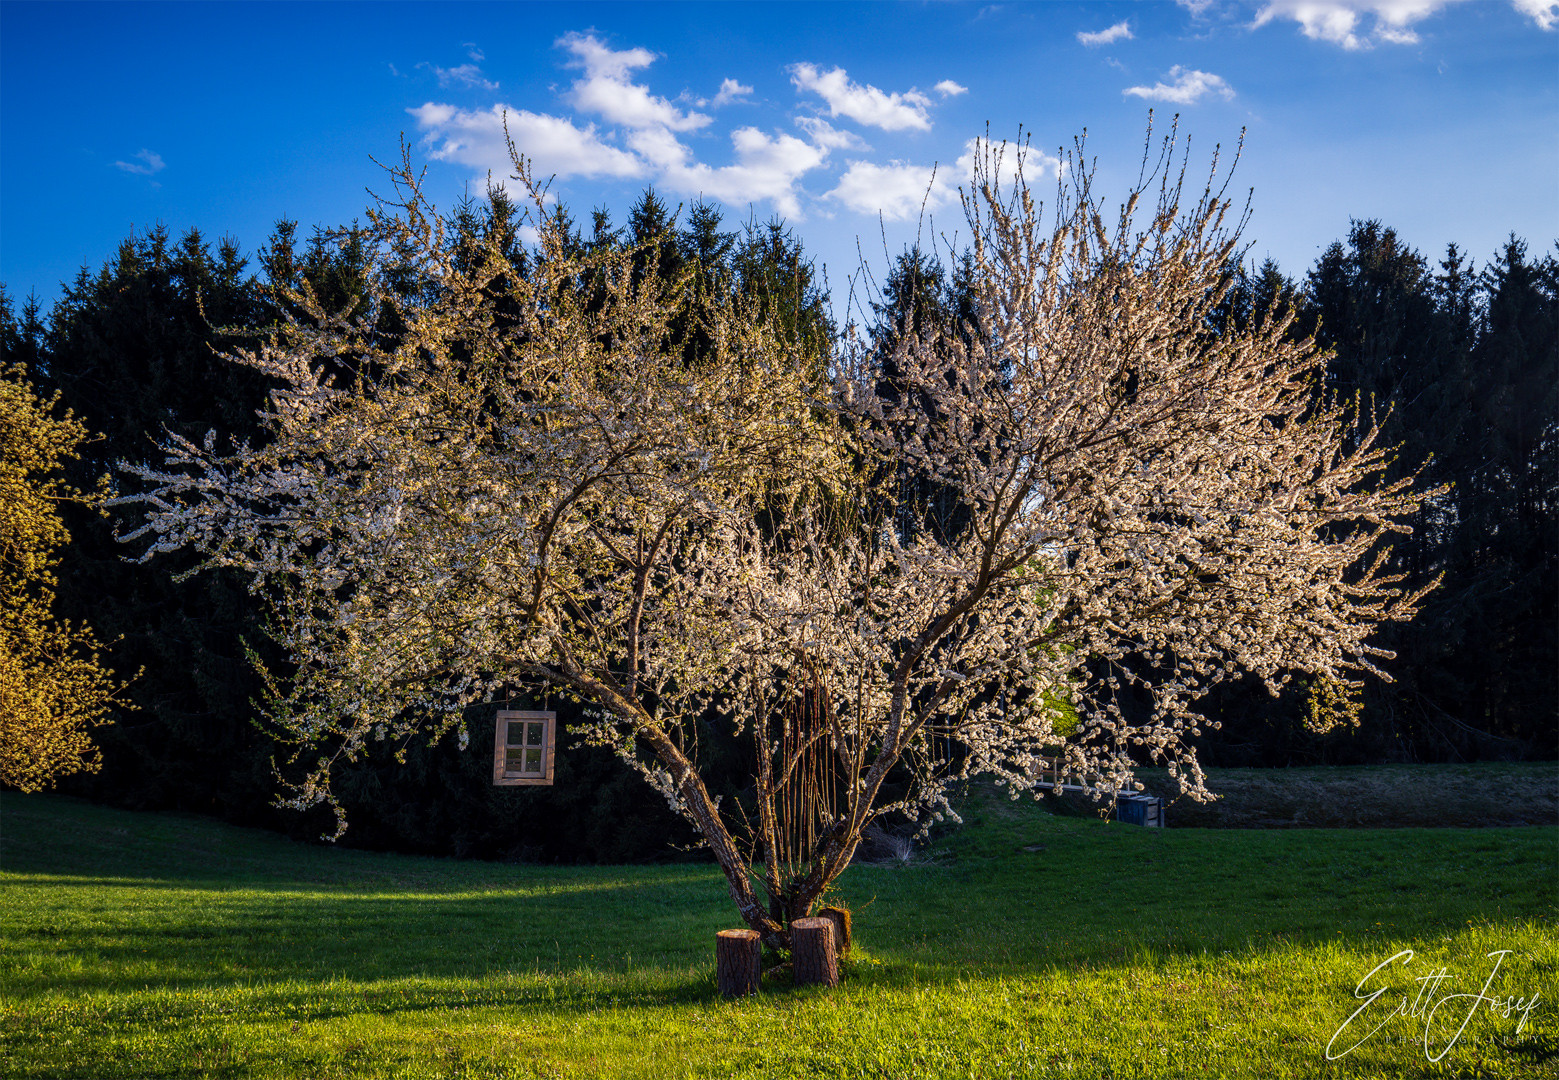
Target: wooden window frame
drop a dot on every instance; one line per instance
(501, 776)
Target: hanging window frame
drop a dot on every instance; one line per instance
(517, 738)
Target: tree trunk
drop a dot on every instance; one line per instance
(813, 956)
(738, 961)
(699, 808)
(841, 920)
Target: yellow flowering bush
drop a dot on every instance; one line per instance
(53, 688)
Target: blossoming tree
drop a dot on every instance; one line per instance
(494, 474)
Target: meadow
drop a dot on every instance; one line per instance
(1027, 943)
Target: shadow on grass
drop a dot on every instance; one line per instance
(924, 924)
(57, 836)
(92, 908)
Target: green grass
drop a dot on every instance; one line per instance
(1032, 945)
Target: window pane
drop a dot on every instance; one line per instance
(516, 733)
(535, 733)
(513, 759)
(533, 762)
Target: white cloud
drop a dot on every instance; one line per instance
(1120, 30)
(476, 54)
(1545, 13)
(821, 133)
(1396, 37)
(896, 191)
(468, 75)
(658, 146)
(637, 135)
(554, 144)
(730, 91)
(608, 90)
(1341, 21)
(767, 168)
(863, 104)
(150, 164)
(900, 191)
(1195, 7)
(1000, 160)
(1188, 87)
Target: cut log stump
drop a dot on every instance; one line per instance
(738, 962)
(841, 917)
(813, 955)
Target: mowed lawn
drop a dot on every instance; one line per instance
(151, 945)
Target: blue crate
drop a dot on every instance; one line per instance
(1146, 810)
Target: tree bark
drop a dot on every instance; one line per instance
(841, 921)
(700, 809)
(738, 961)
(813, 956)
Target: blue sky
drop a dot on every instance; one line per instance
(1439, 118)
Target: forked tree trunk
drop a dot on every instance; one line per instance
(738, 962)
(813, 955)
(835, 849)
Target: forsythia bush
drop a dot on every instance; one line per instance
(53, 689)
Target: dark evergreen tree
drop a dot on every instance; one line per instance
(21, 340)
(1505, 562)
(131, 351)
(652, 232)
(705, 246)
(1466, 365)
(706, 252)
(1255, 295)
(1372, 302)
(772, 271)
(920, 300)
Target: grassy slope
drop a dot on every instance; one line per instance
(156, 945)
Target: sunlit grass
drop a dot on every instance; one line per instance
(156, 945)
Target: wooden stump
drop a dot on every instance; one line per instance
(841, 917)
(813, 956)
(738, 962)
